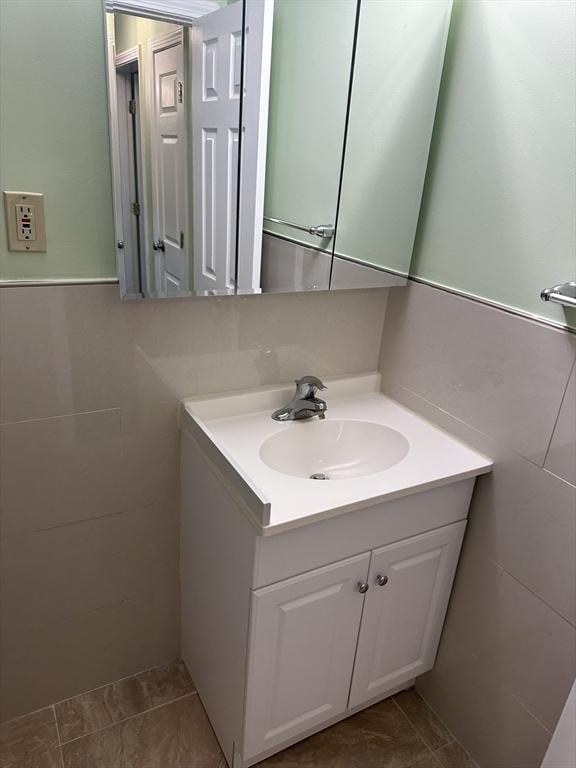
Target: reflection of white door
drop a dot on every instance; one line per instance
(169, 163)
(216, 73)
(130, 194)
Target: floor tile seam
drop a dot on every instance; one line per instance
(451, 736)
(557, 420)
(42, 747)
(130, 717)
(412, 726)
(105, 685)
(53, 708)
(449, 731)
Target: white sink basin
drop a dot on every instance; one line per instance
(376, 449)
(334, 450)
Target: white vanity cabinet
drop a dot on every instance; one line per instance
(303, 637)
(410, 583)
(302, 601)
(340, 636)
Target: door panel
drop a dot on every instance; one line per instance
(216, 68)
(403, 618)
(303, 638)
(169, 166)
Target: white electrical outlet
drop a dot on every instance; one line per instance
(25, 222)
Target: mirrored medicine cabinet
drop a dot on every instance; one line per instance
(269, 145)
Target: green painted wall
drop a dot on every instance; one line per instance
(311, 53)
(54, 134)
(498, 219)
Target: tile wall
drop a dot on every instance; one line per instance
(89, 478)
(506, 385)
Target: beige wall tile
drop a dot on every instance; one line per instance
(59, 470)
(561, 458)
(522, 515)
(68, 657)
(529, 648)
(523, 518)
(465, 690)
(69, 570)
(80, 348)
(71, 468)
(507, 654)
(502, 374)
(150, 460)
(90, 498)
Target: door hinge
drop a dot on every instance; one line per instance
(132, 106)
(181, 239)
(136, 209)
(180, 92)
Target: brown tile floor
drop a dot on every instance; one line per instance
(155, 720)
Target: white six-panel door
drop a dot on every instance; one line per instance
(303, 637)
(216, 81)
(169, 163)
(410, 584)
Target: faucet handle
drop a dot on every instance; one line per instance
(307, 386)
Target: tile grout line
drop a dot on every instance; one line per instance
(137, 508)
(111, 409)
(91, 690)
(131, 717)
(541, 467)
(105, 685)
(557, 419)
(53, 708)
(60, 750)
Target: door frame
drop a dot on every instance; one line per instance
(128, 62)
(253, 143)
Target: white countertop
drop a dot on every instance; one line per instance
(237, 424)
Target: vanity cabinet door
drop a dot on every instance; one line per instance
(410, 583)
(302, 641)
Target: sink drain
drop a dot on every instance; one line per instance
(319, 476)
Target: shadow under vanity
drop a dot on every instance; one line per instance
(305, 601)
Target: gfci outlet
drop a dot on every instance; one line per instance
(25, 221)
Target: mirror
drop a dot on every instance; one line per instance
(312, 45)
(174, 75)
(269, 145)
(397, 71)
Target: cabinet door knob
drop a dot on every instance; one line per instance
(363, 587)
(381, 580)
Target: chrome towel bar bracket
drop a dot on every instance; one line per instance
(564, 294)
(325, 231)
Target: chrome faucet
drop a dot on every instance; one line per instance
(304, 404)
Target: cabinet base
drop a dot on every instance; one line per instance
(238, 762)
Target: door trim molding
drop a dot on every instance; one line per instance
(174, 11)
(127, 57)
